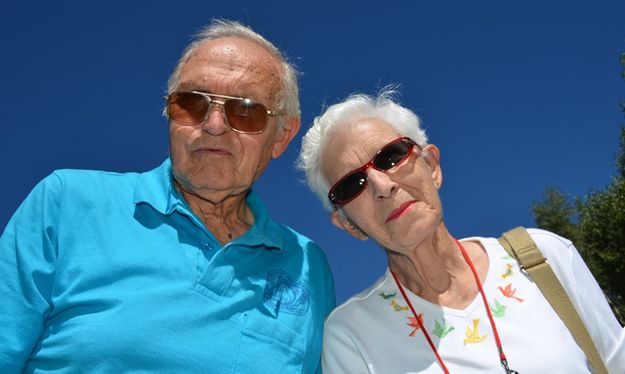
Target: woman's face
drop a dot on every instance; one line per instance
(399, 208)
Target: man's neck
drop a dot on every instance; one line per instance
(227, 219)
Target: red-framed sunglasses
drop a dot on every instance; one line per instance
(388, 157)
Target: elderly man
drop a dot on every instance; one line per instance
(178, 269)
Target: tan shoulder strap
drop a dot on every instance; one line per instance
(520, 245)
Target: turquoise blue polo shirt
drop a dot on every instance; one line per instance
(108, 273)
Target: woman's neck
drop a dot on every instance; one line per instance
(436, 271)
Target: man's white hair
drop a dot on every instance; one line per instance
(355, 107)
(287, 98)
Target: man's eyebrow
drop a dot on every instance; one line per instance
(190, 87)
(193, 87)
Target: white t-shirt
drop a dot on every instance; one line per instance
(375, 332)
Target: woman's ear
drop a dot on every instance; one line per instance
(433, 159)
(339, 220)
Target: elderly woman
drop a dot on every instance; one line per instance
(443, 305)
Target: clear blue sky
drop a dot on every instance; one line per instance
(517, 95)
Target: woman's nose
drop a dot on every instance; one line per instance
(381, 184)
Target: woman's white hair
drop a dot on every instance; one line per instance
(287, 98)
(355, 107)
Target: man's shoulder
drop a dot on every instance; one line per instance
(82, 176)
(296, 240)
(77, 184)
(293, 235)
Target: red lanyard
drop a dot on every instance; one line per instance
(502, 356)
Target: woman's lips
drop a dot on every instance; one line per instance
(404, 208)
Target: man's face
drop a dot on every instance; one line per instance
(210, 160)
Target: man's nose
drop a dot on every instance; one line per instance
(216, 123)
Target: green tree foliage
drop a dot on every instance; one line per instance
(601, 238)
(555, 213)
(596, 224)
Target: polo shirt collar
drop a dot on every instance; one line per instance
(156, 188)
(264, 231)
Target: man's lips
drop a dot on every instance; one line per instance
(404, 208)
(210, 150)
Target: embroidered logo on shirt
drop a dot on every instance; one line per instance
(387, 296)
(412, 322)
(442, 329)
(499, 310)
(397, 307)
(285, 294)
(508, 271)
(509, 292)
(473, 335)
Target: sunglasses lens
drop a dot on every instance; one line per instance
(187, 108)
(392, 155)
(349, 187)
(246, 115)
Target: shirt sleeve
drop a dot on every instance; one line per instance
(340, 354)
(330, 302)
(330, 293)
(27, 265)
(615, 361)
(587, 297)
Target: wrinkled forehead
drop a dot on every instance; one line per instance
(350, 145)
(242, 66)
(357, 134)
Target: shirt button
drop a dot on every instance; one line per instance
(207, 246)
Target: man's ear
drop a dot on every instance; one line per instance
(433, 159)
(284, 135)
(345, 224)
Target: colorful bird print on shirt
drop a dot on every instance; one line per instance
(499, 310)
(473, 336)
(397, 307)
(508, 271)
(509, 292)
(387, 296)
(442, 329)
(412, 322)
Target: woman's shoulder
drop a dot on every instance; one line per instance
(360, 304)
(552, 246)
(548, 238)
(549, 243)
(559, 251)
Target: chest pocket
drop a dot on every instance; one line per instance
(269, 347)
